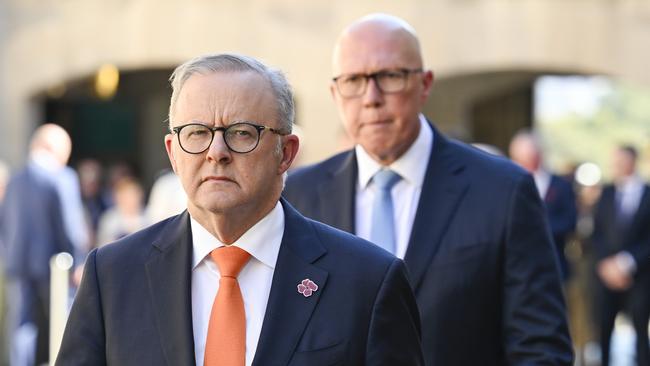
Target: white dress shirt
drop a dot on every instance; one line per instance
(542, 182)
(628, 195)
(412, 167)
(262, 241)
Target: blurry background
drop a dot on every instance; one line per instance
(577, 71)
(100, 68)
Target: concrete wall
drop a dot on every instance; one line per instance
(47, 42)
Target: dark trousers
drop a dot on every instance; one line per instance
(33, 306)
(636, 302)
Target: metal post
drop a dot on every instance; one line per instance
(60, 265)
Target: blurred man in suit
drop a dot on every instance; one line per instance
(621, 240)
(34, 230)
(555, 191)
(289, 290)
(470, 226)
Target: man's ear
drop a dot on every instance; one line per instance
(333, 90)
(427, 82)
(289, 152)
(169, 141)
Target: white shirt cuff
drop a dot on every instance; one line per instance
(625, 262)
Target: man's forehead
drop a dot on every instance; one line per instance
(369, 46)
(244, 79)
(217, 95)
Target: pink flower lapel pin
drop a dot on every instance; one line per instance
(307, 287)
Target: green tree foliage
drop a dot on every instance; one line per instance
(623, 117)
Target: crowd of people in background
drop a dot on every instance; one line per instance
(49, 206)
(100, 204)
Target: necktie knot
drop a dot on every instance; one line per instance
(230, 260)
(385, 179)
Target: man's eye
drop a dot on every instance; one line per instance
(352, 79)
(241, 133)
(390, 75)
(197, 133)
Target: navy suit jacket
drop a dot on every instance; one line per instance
(134, 304)
(560, 203)
(609, 238)
(480, 255)
(33, 229)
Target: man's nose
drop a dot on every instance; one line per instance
(218, 150)
(373, 95)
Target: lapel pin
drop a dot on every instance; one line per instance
(307, 287)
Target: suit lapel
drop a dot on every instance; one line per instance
(169, 277)
(337, 197)
(639, 215)
(443, 187)
(551, 191)
(288, 311)
(609, 203)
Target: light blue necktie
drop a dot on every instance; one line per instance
(383, 227)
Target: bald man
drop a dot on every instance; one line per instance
(33, 230)
(555, 191)
(470, 226)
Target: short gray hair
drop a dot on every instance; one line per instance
(226, 62)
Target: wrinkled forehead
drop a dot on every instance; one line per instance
(374, 45)
(222, 97)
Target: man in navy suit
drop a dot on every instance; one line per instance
(555, 191)
(33, 230)
(621, 240)
(470, 226)
(312, 295)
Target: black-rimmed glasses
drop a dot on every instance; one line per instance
(239, 137)
(388, 81)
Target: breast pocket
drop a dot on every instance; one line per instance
(333, 355)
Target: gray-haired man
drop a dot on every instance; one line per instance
(295, 292)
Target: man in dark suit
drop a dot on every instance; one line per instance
(556, 192)
(470, 226)
(296, 292)
(33, 231)
(621, 240)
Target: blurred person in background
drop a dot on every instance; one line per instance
(126, 216)
(4, 179)
(556, 192)
(94, 196)
(621, 241)
(4, 346)
(33, 230)
(470, 226)
(74, 215)
(167, 197)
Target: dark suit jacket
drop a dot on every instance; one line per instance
(133, 306)
(560, 203)
(609, 238)
(33, 228)
(480, 256)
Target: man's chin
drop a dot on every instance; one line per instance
(216, 205)
(378, 147)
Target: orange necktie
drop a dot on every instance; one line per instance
(226, 341)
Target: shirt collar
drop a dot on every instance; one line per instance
(409, 166)
(629, 183)
(262, 241)
(541, 174)
(45, 161)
